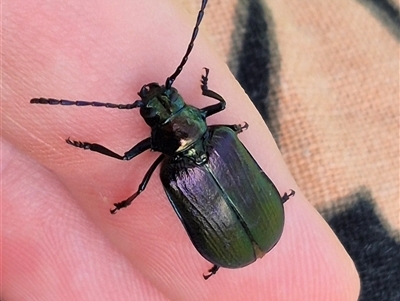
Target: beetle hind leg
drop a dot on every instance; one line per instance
(211, 272)
(287, 196)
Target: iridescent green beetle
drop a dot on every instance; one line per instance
(230, 209)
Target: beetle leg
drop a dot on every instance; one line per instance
(287, 196)
(238, 128)
(142, 186)
(210, 110)
(211, 271)
(133, 152)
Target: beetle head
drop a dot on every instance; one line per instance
(159, 103)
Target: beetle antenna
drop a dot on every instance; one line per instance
(81, 103)
(170, 80)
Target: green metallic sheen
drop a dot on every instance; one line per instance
(229, 207)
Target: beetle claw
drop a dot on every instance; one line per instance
(244, 127)
(114, 210)
(287, 196)
(211, 272)
(117, 206)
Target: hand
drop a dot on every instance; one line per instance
(59, 240)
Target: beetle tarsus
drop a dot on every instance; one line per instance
(141, 188)
(79, 144)
(211, 272)
(209, 93)
(204, 79)
(133, 152)
(125, 203)
(213, 109)
(287, 196)
(238, 128)
(115, 209)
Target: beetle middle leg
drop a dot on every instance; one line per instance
(238, 128)
(210, 110)
(142, 186)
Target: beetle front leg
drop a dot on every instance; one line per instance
(210, 110)
(211, 272)
(142, 186)
(133, 152)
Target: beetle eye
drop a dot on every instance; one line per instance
(144, 90)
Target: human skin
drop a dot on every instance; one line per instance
(59, 241)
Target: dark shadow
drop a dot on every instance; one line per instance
(373, 246)
(387, 13)
(254, 60)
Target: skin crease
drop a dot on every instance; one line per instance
(59, 240)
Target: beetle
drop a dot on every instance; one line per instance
(230, 209)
